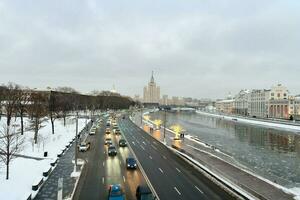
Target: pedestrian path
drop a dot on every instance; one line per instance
(63, 170)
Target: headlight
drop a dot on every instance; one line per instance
(135, 165)
(128, 165)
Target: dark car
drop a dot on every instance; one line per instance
(115, 192)
(122, 143)
(143, 192)
(131, 163)
(117, 131)
(112, 151)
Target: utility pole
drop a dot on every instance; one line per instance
(165, 122)
(141, 116)
(76, 135)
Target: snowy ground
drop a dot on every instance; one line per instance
(23, 171)
(254, 122)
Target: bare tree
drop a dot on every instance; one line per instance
(38, 110)
(11, 98)
(22, 104)
(67, 90)
(10, 144)
(53, 110)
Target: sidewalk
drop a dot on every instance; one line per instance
(220, 164)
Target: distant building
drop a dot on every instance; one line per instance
(294, 107)
(151, 92)
(279, 102)
(225, 105)
(165, 100)
(258, 103)
(241, 102)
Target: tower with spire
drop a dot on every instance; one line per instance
(152, 91)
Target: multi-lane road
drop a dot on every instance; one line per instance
(102, 170)
(170, 176)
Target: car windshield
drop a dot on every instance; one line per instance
(131, 160)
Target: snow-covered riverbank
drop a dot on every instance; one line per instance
(277, 125)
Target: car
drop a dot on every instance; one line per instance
(122, 143)
(112, 151)
(115, 192)
(84, 146)
(108, 141)
(117, 131)
(143, 192)
(131, 163)
(93, 131)
(107, 131)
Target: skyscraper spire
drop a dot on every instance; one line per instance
(152, 78)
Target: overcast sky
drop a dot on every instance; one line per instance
(197, 48)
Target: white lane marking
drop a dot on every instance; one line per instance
(178, 170)
(198, 189)
(102, 180)
(144, 143)
(124, 179)
(142, 147)
(133, 143)
(165, 157)
(150, 157)
(104, 152)
(103, 164)
(177, 190)
(120, 163)
(161, 170)
(153, 147)
(154, 143)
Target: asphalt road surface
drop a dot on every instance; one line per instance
(171, 177)
(102, 170)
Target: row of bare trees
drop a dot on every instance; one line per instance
(38, 106)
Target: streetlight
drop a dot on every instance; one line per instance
(177, 129)
(165, 124)
(76, 135)
(157, 123)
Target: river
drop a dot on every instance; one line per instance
(271, 153)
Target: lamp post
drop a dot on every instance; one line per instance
(165, 121)
(76, 135)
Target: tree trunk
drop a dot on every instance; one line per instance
(7, 169)
(36, 129)
(64, 120)
(22, 123)
(52, 124)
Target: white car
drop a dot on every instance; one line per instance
(92, 132)
(84, 146)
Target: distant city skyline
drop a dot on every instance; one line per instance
(203, 49)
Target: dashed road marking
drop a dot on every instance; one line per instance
(150, 157)
(161, 170)
(102, 180)
(124, 179)
(142, 147)
(198, 189)
(165, 157)
(153, 147)
(178, 170)
(177, 190)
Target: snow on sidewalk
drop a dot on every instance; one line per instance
(23, 171)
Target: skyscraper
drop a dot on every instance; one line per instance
(151, 92)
